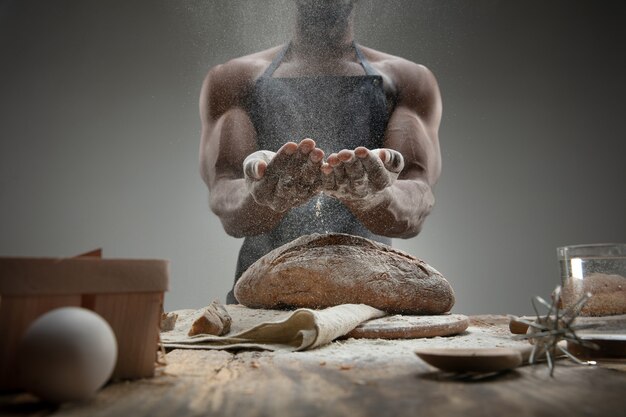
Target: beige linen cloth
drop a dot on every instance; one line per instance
(298, 330)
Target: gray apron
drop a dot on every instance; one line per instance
(338, 112)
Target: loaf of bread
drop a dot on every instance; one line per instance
(324, 270)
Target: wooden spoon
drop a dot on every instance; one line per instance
(472, 360)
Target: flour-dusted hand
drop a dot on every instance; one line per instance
(360, 173)
(287, 178)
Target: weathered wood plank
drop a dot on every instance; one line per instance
(265, 384)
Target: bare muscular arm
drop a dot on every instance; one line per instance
(398, 193)
(227, 138)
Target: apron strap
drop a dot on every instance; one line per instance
(276, 62)
(369, 70)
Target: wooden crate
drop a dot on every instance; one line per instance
(127, 293)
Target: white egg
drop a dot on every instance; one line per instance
(67, 355)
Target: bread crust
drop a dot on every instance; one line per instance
(324, 270)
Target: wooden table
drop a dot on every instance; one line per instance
(254, 383)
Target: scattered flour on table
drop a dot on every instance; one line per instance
(385, 351)
(483, 333)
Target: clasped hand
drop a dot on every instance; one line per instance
(297, 172)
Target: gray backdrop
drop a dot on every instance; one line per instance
(100, 132)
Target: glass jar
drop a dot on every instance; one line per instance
(599, 269)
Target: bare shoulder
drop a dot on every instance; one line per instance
(243, 69)
(407, 78)
(225, 85)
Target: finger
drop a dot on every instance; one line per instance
(289, 148)
(254, 165)
(361, 152)
(354, 168)
(346, 156)
(377, 175)
(339, 171)
(360, 184)
(283, 157)
(333, 160)
(328, 178)
(311, 175)
(392, 160)
(358, 180)
(356, 176)
(255, 169)
(302, 153)
(316, 155)
(326, 168)
(309, 159)
(306, 145)
(341, 179)
(260, 186)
